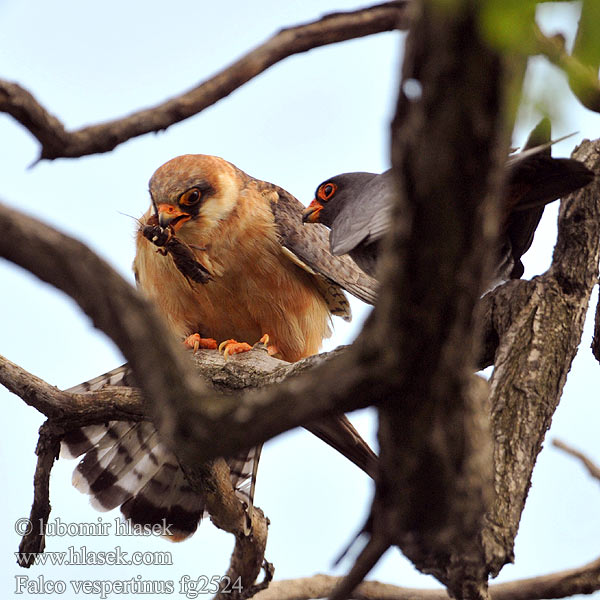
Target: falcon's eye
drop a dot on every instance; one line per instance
(326, 191)
(190, 197)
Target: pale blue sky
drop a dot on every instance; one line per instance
(305, 119)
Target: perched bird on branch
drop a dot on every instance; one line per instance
(269, 275)
(227, 261)
(356, 206)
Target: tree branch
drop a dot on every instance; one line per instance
(73, 410)
(195, 421)
(227, 512)
(57, 142)
(434, 485)
(494, 314)
(34, 541)
(583, 580)
(592, 468)
(280, 396)
(535, 355)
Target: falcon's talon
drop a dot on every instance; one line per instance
(263, 343)
(223, 344)
(195, 342)
(229, 347)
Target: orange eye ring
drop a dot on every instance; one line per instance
(326, 190)
(191, 197)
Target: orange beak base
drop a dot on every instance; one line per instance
(169, 215)
(311, 212)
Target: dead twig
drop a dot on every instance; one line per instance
(57, 142)
(592, 468)
(34, 540)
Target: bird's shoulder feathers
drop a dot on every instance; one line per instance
(308, 247)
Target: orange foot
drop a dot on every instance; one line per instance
(194, 341)
(264, 341)
(229, 347)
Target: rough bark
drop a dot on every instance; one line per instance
(535, 356)
(34, 541)
(583, 580)
(435, 478)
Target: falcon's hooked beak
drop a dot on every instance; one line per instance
(311, 212)
(170, 215)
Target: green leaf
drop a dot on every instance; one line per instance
(587, 43)
(509, 24)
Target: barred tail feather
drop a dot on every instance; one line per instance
(124, 464)
(78, 442)
(127, 467)
(245, 466)
(121, 376)
(167, 500)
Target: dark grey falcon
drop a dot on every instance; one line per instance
(356, 206)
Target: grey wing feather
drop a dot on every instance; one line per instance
(311, 244)
(365, 218)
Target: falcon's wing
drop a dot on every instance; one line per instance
(539, 179)
(535, 179)
(309, 246)
(124, 464)
(364, 218)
